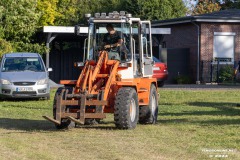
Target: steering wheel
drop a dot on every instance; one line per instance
(30, 67)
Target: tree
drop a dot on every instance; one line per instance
(5, 47)
(48, 12)
(229, 4)
(67, 12)
(206, 6)
(71, 12)
(155, 9)
(18, 21)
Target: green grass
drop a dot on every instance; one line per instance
(192, 125)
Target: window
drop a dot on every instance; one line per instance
(13, 64)
(98, 31)
(223, 49)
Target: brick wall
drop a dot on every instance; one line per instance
(184, 36)
(207, 36)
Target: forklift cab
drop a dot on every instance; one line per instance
(135, 53)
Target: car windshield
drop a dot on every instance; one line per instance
(16, 64)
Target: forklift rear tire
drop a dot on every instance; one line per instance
(126, 108)
(148, 114)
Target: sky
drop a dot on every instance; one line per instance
(190, 2)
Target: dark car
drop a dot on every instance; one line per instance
(160, 71)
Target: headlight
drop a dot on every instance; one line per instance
(42, 81)
(4, 81)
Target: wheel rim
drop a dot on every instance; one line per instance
(133, 110)
(154, 106)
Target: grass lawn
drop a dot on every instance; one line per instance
(193, 124)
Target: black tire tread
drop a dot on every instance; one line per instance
(145, 115)
(121, 108)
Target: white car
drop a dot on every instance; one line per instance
(24, 75)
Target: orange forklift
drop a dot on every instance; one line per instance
(123, 86)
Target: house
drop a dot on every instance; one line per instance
(212, 40)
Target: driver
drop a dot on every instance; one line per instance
(112, 42)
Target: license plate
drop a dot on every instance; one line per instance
(156, 68)
(24, 89)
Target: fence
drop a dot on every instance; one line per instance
(210, 71)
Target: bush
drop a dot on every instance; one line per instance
(5, 47)
(30, 47)
(226, 74)
(183, 79)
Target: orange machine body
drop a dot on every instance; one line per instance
(102, 76)
(113, 80)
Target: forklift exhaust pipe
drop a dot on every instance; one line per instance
(52, 120)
